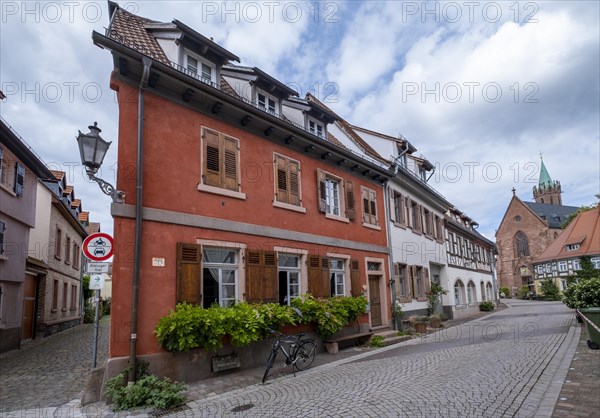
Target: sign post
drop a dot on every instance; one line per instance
(97, 247)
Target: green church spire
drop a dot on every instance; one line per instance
(545, 180)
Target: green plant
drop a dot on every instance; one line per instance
(433, 296)
(443, 317)
(106, 306)
(523, 291)
(585, 294)
(87, 292)
(550, 290)
(147, 390)
(402, 333)
(486, 306)
(506, 292)
(376, 342)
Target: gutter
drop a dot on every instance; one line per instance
(138, 222)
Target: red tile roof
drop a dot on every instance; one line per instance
(76, 203)
(583, 230)
(93, 227)
(84, 217)
(58, 174)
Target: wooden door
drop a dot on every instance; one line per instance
(375, 301)
(29, 291)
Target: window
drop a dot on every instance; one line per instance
(576, 265)
(549, 268)
(398, 205)
(521, 244)
(2, 167)
(419, 281)
(562, 266)
(315, 128)
(75, 256)
(289, 277)
(336, 196)
(415, 210)
(220, 161)
(68, 250)
(459, 289)
(420, 287)
(73, 297)
(563, 284)
(199, 68)
(192, 65)
(55, 296)
(219, 275)
(58, 243)
(267, 102)
(2, 229)
(403, 282)
(19, 179)
(471, 293)
(422, 174)
(64, 296)
(337, 272)
(287, 180)
(369, 199)
(596, 262)
(572, 247)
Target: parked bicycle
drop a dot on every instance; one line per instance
(300, 353)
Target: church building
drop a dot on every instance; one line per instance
(526, 229)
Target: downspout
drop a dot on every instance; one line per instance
(138, 221)
(386, 194)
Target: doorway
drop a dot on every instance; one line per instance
(375, 300)
(29, 292)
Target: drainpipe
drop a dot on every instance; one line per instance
(386, 194)
(138, 222)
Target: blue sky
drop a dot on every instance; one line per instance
(480, 88)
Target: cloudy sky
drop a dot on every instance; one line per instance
(480, 88)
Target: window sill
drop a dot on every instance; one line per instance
(222, 192)
(288, 206)
(337, 218)
(399, 225)
(57, 257)
(53, 310)
(3, 257)
(64, 309)
(8, 189)
(370, 226)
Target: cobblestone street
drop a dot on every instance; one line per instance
(52, 371)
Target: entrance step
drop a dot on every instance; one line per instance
(391, 336)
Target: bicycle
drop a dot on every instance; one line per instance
(301, 352)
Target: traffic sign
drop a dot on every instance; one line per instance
(96, 281)
(98, 246)
(97, 268)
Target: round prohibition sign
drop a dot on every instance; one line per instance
(98, 246)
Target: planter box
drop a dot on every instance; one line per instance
(435, 322)
(592, 314)
(421, 327)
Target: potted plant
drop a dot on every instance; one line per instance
(435, 321)
(585, 296)
(421, 324)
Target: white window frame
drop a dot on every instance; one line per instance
(199, 70)
(576, 265)
(339, 275)
(316, 128)
(563, 267)
(289, 270)
(596, 262)
(267, 106)
(572, 247)
(458, 292)
(333, 185)
(471, 293)
(223, 266)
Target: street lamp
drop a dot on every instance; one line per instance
(92, 150)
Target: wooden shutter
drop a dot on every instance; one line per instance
(230, 164)
(426, 282)
(392, 203)
(318, 276)
(364, 196)
(261, 276)
(355, 284)
(413, 282)
(397, 278)
(294, 182)
(281, 179)
(270, 281)
(407, 220)
(322, 191)
(19, 179)
(189, 273)
(373, 203)
(212, 159)
(350, 201)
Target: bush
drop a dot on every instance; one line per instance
(504, 290)
(550, 290)
(90, 313)
(486, 306)
(106, 306)
(585, 294)
(443, 316)
(376, 342)
(148, 390)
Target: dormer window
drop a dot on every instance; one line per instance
(266, 102)
(422, 174)
(315, 128)
(572, 247)
(199, 68)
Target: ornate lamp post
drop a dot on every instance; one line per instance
(92, 149)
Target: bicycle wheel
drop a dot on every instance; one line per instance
(270, 362)
(306, 354)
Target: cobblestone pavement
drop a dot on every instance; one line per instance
(510, 363)
(52, 371)
(580, 393)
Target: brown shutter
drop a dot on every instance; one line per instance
(261, 276)
(397, 278)
(392, 204)
(373, 201)
(253, 276)
(355, 285)
(413, 282)
(426, 281)
(406, 211)
(318, 272)
(281, 180)
(230, 164)
(321, 190)
(212, 164)
(294, 182)
(350, 201)
(364, 196)
(189, 273)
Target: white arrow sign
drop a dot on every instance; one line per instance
(96, 281)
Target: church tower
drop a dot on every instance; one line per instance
(547, 191)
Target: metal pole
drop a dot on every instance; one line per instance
(95, 347)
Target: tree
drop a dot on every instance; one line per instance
(573, 215)
(550, 290)
(588, 271)
(523, 292)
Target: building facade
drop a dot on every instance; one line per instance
(526, 229)
(20, 170)
(561, 258)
